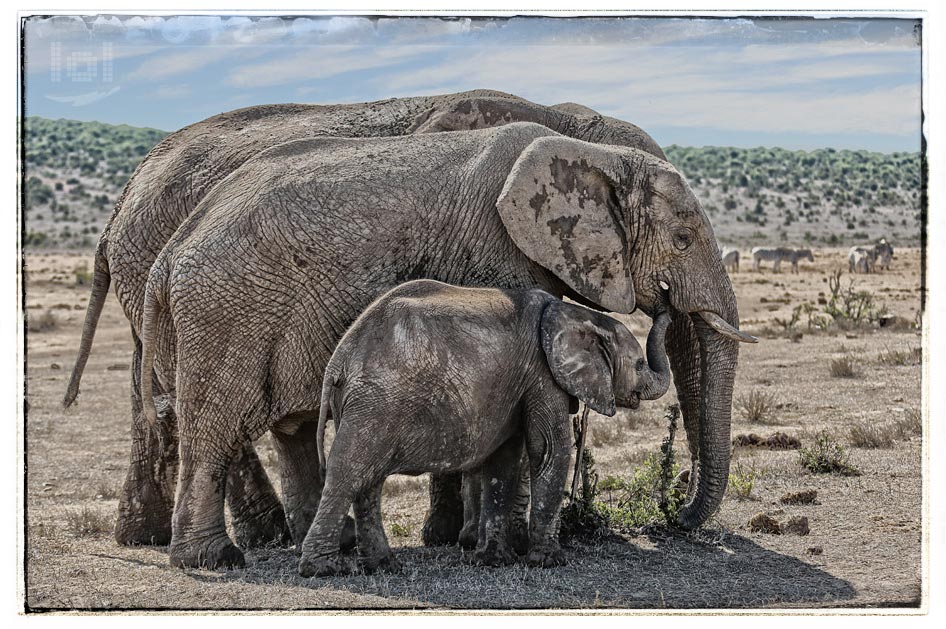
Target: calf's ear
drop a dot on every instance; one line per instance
(577, 344)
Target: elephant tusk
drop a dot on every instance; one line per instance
(717, 323)
(664, 285)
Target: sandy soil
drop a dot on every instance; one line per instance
(868, 528)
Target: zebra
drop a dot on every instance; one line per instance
(731, 259)
(861, 259)
(883, 252)
(776, 255)
(797, 254)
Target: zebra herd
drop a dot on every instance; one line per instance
(861, 258)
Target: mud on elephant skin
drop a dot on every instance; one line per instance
(166, 188)
(435, 378)
(336, 222)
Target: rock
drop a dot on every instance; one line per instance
(796, 525)
(777, 441)
(55, 366)
(805, 497)
(762, 523)
(117, 367)
(815, 550)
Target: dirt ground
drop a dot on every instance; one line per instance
(863, 550)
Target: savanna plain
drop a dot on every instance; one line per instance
(841, 396)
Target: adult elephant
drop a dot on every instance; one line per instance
(163, 192)
(260, 282)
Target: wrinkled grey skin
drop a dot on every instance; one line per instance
(336, 222)
(437, 378)
(163, 192)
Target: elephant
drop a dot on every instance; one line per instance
(337, 221)
(166, 188)
(433, 377)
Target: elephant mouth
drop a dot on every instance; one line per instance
(632, 402)
(712, 318)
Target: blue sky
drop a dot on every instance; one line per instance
(794, 83)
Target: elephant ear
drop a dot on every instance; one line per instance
(577, 347)
(561, 207)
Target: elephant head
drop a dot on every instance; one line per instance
(623, 230)
(596, 359)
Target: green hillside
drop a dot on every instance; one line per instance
(76, 170)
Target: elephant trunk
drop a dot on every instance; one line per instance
(656, 380)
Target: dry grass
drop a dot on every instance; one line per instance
(403, 485)
(88, 522)
(757, 407)
(900, 357)
(871, 436)
(843, 367)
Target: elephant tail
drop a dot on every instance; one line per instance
(152, 308)
(101, 279)
(329, 383)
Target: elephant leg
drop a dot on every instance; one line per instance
(199, 533)
(472, 493)
(548, 443)
(302, 481)
(344, 483)
(499, 483)
(445, 517)
(257, 515)
(519, 513)
(147, 499)
(373, 548)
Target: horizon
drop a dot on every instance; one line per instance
(790, 83)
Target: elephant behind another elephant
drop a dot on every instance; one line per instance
(335, 222)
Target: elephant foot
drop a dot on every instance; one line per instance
(348, 541)
(143, 521)
(494, 553)
(217, 553)
(546, 558)
(442, 527)
(382, 563)
(468, 536)
(262, 529)
(519, 535)
(325, 566)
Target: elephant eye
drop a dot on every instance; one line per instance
(682, 239)
(640, 364)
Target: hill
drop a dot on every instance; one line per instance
(76, 171)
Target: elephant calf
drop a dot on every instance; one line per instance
(437, 378)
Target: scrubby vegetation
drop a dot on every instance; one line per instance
(827, 456)
(645, 499)
(757, 406)
(75, 173)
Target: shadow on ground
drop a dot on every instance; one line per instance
(672, 572)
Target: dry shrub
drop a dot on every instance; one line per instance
(843, 367)
(900, 358)
(606, 434)
(88, 523)
(757, 406)
(867, 435)
(43, 323)
(826, 456)
(400, 485)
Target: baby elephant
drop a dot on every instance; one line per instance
(436, 378)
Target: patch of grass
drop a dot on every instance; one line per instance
(900, 357)
(843, 367)
(606, 434)
(88, 522)
(400, 485)
(757, 406)
(400, 530)
(106, 492)
(826, 456)
(867, 435)
(911, 425)
(43, 323)
(741, 480)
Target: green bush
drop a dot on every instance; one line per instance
(826, 456)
